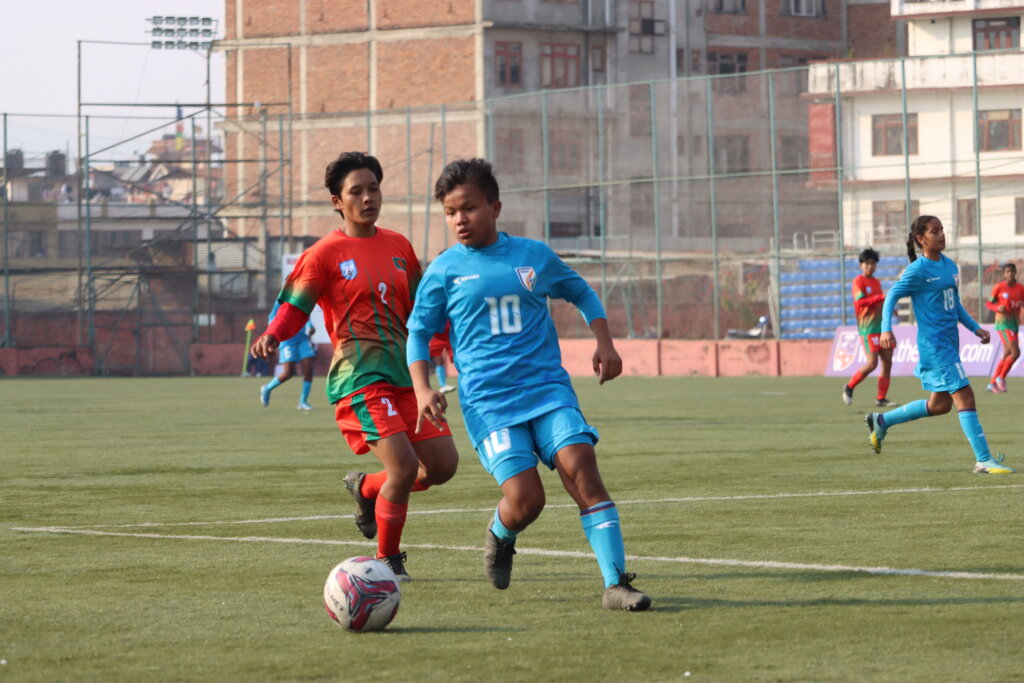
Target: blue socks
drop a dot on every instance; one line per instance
(503, 533)
(601, 526)
(972, 430)
(442, 374)
(306, 387)
(914, 410)
(272, 384)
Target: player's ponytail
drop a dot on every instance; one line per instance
(918, 227)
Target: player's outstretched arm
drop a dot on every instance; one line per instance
(607, 362)
(430, 403)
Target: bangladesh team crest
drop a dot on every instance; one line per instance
(399, 263)
(348, 269)
(527, 277)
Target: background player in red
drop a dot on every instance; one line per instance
(1007, 300)
(364, 279)
(868, 299)
(440, 354)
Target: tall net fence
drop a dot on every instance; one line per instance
(693, 206)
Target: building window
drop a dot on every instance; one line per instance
(996, 34)
(639, 111)
(1018, 215)
(805, 8)
(887, 134)
(559, 65)
(732, 154)
(965, 215)
(508, 60)
(999, 130)
(597, 59)
(721, 63)
(561, 2)
(729, 6)
(793, 152)
(27, 244)
(643, 27)
(565, 148)
(566, 229)
(794, 81)
(641, 203)
(889, 220)
(510, 150)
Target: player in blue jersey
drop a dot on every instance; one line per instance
(517, 401)
(932, 283)
(298, 350)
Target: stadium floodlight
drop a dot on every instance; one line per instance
(185, 32)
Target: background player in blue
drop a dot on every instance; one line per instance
(517, 401)
(932, 283)
(297, 350)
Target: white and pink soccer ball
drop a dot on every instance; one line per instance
(362, 594)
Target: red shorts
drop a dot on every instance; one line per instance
(440, 347)
(871, 343)
(1007, 336)
(381, 410)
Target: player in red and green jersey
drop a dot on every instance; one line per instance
(868, 299)
(1007, 300)
(364, 278)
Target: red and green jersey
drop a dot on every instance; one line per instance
(1011, 298)
(867, 302)
(365, 287)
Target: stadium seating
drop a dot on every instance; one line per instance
(813, 295)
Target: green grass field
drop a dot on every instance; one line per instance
(175, 530)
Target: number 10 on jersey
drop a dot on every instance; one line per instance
(505, 315)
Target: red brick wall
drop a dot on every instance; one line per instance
(336, 16)
(872, 32)
(261, 18)
(411, 13)
(422, 72)
(337, 78)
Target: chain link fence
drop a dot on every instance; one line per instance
(693, 206)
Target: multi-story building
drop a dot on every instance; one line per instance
(420, 83)
(937, 132)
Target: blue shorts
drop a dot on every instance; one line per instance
(509, 451)
(945, 378)
(294, 350)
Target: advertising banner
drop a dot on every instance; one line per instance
(979, 360)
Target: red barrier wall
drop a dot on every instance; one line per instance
(640, 358)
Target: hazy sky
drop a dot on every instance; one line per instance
(38, 58)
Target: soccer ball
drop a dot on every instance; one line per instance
(362, 594)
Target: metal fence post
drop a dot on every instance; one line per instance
(713, 206)
(657, 203)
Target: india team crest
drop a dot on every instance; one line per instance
(527, 277)
(348, 269)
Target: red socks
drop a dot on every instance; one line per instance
(1003, 369)
(883, 387)
(372, 484)
(856, 379)
(390, 522)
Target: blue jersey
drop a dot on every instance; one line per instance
(933, 287)
(504, 342)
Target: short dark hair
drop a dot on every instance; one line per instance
(467, 172)
(869, 254)
(1009, 264)
(345, 164)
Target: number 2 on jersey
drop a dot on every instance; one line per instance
(505, 315)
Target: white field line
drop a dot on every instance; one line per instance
(653, 501)
(757, 564)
